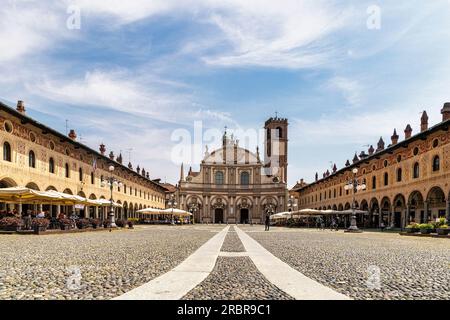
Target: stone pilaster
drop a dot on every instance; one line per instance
(447, 210)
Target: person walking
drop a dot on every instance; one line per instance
(267, 222)
(27, 220)
(382, 225)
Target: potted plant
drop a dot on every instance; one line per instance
(426, 228)
(130, 224)
(120, 223)
(443, 230)
(40, 224)
(83, 223)
(412, 228)
(105, 223)
(65, 224)
(441, 226)
(10, 223)
(95, 223)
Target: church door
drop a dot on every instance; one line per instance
(244, 216)
(218, 215)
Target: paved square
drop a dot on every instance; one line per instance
(105, 265)
(410, 267)
(110, 263)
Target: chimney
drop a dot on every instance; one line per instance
(148, 175)
(102, 149)
(362, 155)
(111, 155)
(394, 137)
(72, 135)
(347, 163)
(130, 166)
(119, 158)
(138, 170)
(355, 158)
(317, 177)
(371, 150)
(424, 122)
(380, 145)
(408, 132)
(143, 172)
(21, 106)
(327, 173)
(334, 168)
(446, 111)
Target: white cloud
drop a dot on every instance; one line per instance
(267, 33)
(26, 28)
(351, 89)
(258, 32)
(127, 92)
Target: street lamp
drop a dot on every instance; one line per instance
(111, 181)
(193, 210)
(291, 203)
(355, 186)
(270, 209)
(172, 203)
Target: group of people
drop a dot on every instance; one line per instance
(22, 215)
(334, 225)
(28, 216)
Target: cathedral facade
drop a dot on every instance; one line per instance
(234, 185)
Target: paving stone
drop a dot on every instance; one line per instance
(232, 242)
(110, 263)
(236, 278)
(409, 267)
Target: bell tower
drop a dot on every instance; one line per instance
(276, 147)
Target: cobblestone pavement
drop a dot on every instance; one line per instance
(93, 265)
(236, 278)
(232, 242)
(408, 267)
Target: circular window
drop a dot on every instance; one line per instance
(385, 163)
(399, 158)
(8, 126)
(32, 137)
(435, 143)
(51, 145)
(416, 151)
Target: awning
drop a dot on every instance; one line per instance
(27, 195)
(176, 212)
(150, 211)
(313, 212)
(24, 195)
(105, 203)
(281, 215)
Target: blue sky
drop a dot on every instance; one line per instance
(137, 70)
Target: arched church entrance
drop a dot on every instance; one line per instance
(218, 215)
(244, 216)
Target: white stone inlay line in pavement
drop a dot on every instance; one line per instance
(279, 273)
(233, 254)
(176, 283)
